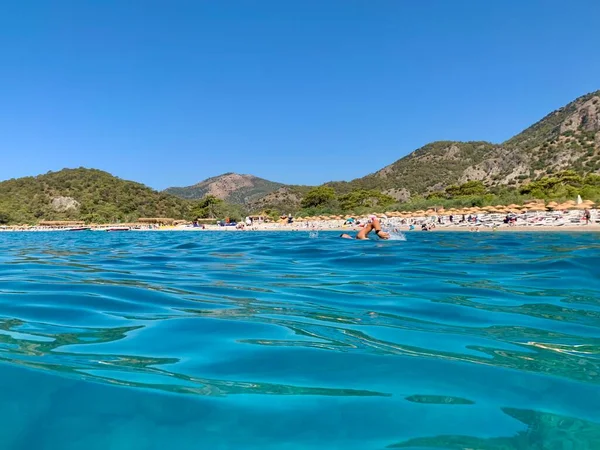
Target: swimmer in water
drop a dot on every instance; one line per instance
(373, 224)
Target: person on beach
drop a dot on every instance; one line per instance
(587, 216)
(363, 234)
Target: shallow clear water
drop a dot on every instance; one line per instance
(282, 341)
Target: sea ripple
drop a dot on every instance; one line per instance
(279, 340)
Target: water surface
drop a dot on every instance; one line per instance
(282, 341)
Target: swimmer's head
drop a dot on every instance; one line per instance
(345, 236)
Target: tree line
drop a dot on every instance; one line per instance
(103, 198)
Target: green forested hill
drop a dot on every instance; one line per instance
(436, 164)
(566, 139)
(84, 194)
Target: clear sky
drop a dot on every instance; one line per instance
(299, 91)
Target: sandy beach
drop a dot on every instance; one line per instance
(548, 221)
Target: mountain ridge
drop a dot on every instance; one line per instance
(565, 139)
(231, 187)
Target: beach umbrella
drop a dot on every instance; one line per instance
(538, 207)
(534, 202)
(580, 206)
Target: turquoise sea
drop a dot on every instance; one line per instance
(199, 340)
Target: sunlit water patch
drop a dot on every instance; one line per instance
(297, 341)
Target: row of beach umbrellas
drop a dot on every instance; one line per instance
(538, 206)
(534, 205)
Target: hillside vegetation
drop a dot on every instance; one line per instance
(433, 166)
(567, 139)
(84, 194)
(556, 158)
(563, 186)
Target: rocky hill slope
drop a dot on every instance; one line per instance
(568, 138)
(231, 187)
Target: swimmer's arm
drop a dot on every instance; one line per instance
(382, 234)
(377, 227)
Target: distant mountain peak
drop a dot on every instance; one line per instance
(230, 186)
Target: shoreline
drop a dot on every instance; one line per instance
(591, 228)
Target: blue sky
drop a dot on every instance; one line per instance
(298, 91)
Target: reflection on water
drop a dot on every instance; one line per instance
(544, 431)
(155, 340)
